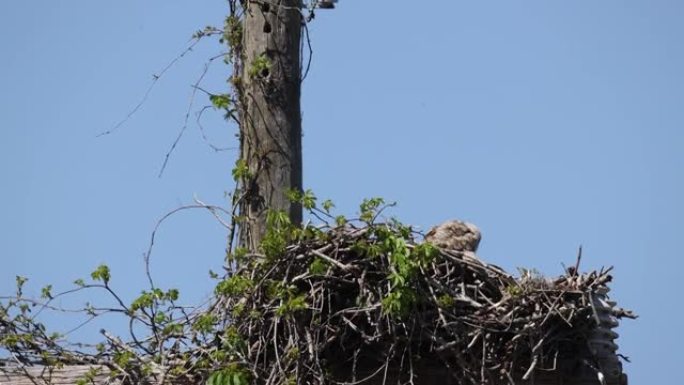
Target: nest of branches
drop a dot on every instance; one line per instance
(337, 304)
(353, 305)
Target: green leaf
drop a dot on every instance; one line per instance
(369, 209)
(293, 195)
(445, 301)
(318, 267)
(204, 323)
(172, 294)
(221, 101)
(425, 253)
(123, 358)
(241, 170)
(292, 305)
(46, 292)
(399, 302)
(260, 67)
(232, 375)
(235, 285)
(212, 378)
(328, 205)
(160, 317)
(237, 379)
(172, 328)
(101, 274)
(20, 282)
(145, 300)
(340, 220)
(308, 200)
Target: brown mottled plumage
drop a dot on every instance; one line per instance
(455, 235)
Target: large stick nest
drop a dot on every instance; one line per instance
(370, 304)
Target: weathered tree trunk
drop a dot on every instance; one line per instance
(271, 122)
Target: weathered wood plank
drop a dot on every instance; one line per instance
(71, 374)
(38, 375)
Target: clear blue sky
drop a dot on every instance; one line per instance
(547, 123)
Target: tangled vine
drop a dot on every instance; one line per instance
(345, 302)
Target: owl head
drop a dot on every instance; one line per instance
(455, 235)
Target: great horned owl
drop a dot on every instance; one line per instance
(455, 235)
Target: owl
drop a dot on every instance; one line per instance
(455, 235)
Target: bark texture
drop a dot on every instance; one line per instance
(271, 123)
